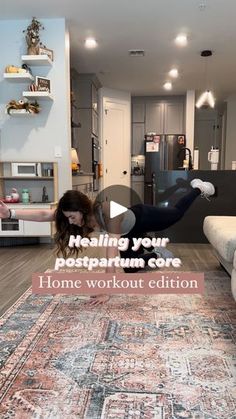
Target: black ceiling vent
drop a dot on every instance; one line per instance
(206, 53)
(136, 53)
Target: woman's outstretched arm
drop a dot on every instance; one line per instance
(27, 214)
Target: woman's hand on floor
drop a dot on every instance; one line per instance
(96, 300)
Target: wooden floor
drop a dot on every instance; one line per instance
(18, 263)
(16, 267)
(195, 257)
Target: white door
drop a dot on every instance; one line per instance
(116, 143)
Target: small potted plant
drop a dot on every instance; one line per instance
(32, 37)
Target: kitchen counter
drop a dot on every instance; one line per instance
(189, 228)
(30, 204)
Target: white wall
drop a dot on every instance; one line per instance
(230, 143)
(35, 138)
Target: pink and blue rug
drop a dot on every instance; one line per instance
(156, 357)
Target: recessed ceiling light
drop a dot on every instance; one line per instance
(90, 43)
(167, 85)
(181, 40)
(173, 72)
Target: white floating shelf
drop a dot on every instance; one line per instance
(38, 95)
(36, 60)
(18, 77)
(20, 112)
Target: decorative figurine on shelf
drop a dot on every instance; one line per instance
(13, 198)
(24, 69)
(33, 87)
(25, 196)
(15, 195)
(44, 195)
(23, 105)
(32, 37)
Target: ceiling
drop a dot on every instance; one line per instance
(151, 25)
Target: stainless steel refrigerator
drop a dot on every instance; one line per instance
(162, 152)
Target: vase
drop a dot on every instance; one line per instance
(33, 50)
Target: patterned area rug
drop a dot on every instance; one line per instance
(139, 357)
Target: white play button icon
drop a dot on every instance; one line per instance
(118, 199)
(116, 209)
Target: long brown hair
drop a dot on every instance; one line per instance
(71, 201)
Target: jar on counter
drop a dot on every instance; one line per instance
(25, 196)
(14, 195)
(196, 158)
(137, 170)
(186, 164)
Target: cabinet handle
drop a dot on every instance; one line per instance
(124, 172)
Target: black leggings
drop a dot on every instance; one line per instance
(150, 218)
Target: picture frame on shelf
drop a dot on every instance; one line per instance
(46, 51)
(43, 84)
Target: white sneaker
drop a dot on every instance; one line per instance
(207, 189)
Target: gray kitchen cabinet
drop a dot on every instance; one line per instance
(85, 140)
(154, 117)
(94, 123)
(163, 115)
(85, 91)
(174, 118)
(88, 85)
(94, 97)
(137, 185)
(138, 112)
(138, 131)
(165, 118)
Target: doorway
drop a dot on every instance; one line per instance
(116, 142)
(207, 134)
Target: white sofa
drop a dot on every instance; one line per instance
(221, 233)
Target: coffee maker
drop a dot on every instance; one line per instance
(213, 157)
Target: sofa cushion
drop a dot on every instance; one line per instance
(233, 283)
(221, 233)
